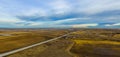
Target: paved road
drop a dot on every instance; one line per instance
(21, 49)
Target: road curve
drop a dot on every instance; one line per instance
(21, 49)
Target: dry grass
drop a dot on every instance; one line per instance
(96, 43)
(88, 43)
(58, 48)
(22, 39)
(32, 52)
(96, 48)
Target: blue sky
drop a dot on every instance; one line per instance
(59, 13)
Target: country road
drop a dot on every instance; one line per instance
(21, 49)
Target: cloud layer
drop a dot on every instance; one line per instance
(59, 13)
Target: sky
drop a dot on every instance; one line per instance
(59, 13)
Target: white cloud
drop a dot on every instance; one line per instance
(35, 24)
(116, 24)
(9, 20)
(33, 12)
(9, 9)
(60, 7)
(70, 20)
(97, 6)
(83, 25)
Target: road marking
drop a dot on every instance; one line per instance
(24, 48)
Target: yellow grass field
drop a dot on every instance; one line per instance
(92, 48)
(96, 43)
(80, 43)
(18, 39)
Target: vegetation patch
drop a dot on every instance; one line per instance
(91, 48)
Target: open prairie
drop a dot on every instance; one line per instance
(81, 43)
(14, 39)
(96, 43)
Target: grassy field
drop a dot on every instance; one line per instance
(96, 43)
(10, 40)
(90, 48)
(82, 43)
(57, 48)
